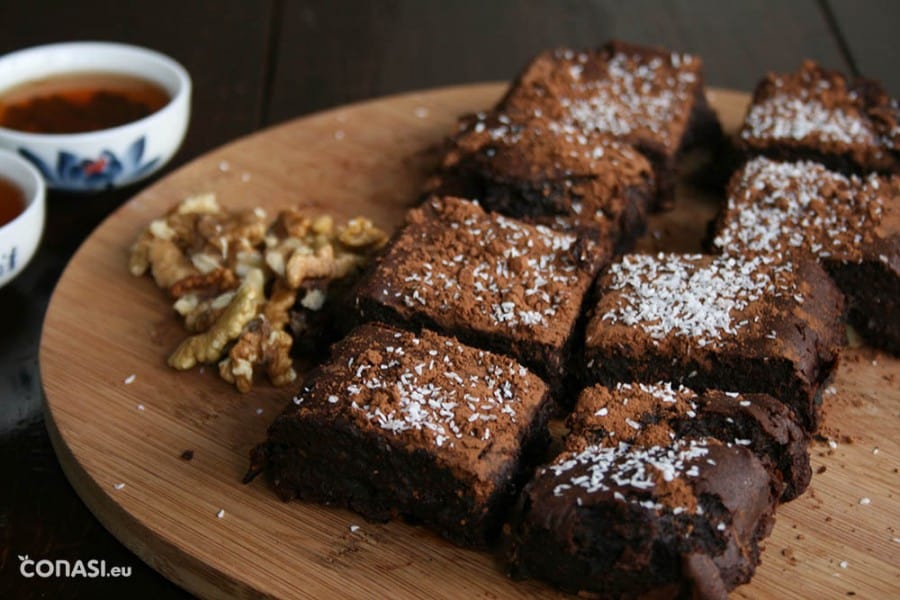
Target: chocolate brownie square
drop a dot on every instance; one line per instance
(415, 426)
(678, 520)
(752, 325)
(544, 171)
(850, 224)
(663, 412)
(818, 114)
(648, 97)
(493, 282)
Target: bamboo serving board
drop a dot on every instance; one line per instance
(103, 325)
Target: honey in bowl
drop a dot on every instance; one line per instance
(12, 201)
(79, 102)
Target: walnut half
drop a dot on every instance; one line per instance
(259, 346)
(208, 347)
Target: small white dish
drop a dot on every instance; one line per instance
(107, 158)
(20, 237)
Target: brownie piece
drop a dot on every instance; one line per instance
(489, 280)
(416, 426)
(850, 224)
(683, 519)
(545, 171)
(762, 424)
(818, 114)
(751, 325)
(648, 97)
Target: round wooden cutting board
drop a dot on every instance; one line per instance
(104, 326)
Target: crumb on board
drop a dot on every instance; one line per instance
(140, 407)
(221, 513)
(224, 166)
(130, 379)
(788, 554)
(118, 486)
(354, 528)
(865, 501)
(421, 112)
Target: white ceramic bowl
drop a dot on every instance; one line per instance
(20, 237)
(98, 160)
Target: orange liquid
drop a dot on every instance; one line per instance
(12, 201)
(79, 102)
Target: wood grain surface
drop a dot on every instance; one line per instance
(104, 325)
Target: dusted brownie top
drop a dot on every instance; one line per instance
(538, 149)
(654, 477)
(691, 307)
(707, 299)
(656, 413)
(632, 413)
(465, 268)
(787, 207)
(584, 176)
(629, 91)
(468, 407)
(820, 110)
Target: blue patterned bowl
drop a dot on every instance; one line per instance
(109, 158)
(20, 237)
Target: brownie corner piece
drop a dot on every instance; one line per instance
(680, 519)
(753, 325)
(492, 281)
(408, 425)
(819, 114)
(649, 97)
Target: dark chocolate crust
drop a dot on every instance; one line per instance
(493, 282)
(453, 462)
(782, 337)
(619, 89)
(757, 422)
(589, 523)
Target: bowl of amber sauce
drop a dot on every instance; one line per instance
(91, 116)
(21, 214)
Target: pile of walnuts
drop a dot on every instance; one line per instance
(217, 265)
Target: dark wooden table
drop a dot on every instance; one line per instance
(256, 63)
